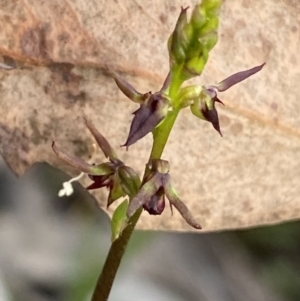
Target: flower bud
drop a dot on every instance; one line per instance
(188, 94)
(177, 42)
(190, 42)
(130, 180)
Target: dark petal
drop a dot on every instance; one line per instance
(216, 99)
(148, 190)
(212, 116)
(99, 182)
(147, 117)
(77, 162)
(156, 204)
(101, 141)
(179, 205)
(125, 87)
(237, 77)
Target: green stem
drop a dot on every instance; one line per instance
(113, 259)
(117, 249)
(162, 133)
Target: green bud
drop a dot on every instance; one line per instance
(130, 180)
(212, 7)
(190, 43)
(188, 94)
(195, 66)
(198, 17)
(177, 42)
(210, 26)
(209, 40)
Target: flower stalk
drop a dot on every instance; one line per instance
(189, 46)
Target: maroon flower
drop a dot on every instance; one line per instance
(121, 180)
(152, 194)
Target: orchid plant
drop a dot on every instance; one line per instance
(189, 46)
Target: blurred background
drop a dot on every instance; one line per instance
(53, 248)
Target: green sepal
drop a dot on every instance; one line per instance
(116, 190)
(130, 180)
(118, 220)
(177, 42)
(188, 94)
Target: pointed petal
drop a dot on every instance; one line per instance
(147, 117)
(99, 182)
(101, 141)
(145, 193)
(125, 87)
(80, 164)
(179, 205)
(237, 77)
(212, 116)
(219, 101)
